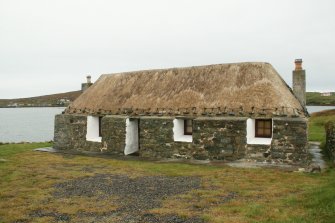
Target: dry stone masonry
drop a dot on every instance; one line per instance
(214, 138)
(330, 139)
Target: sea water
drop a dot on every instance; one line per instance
(27, 124)
(312, 109)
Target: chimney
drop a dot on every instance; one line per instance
(299, 82)
(85, 86)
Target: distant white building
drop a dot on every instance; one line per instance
(12, 105)
(326, 94)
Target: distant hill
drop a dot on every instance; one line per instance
(316, 98)
(53, 100)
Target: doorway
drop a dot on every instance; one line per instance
(132, 137)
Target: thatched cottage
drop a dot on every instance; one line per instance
(223, 111)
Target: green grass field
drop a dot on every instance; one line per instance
(317, 123)
(28, 179)
(260, 195)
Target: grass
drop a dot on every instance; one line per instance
(322, 203)
(317, 123)
(227, 194)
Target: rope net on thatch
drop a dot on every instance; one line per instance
(239, 112)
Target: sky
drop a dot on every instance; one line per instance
(49, 46)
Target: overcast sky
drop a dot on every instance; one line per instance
(49, 46)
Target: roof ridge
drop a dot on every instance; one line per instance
(187, 67)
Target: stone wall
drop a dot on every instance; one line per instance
(220, 138)
(213, 138)
(289, 143)
(156, 137)
(330, 139)
(114, 134)
(70, 134)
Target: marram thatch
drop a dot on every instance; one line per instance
(223, 88)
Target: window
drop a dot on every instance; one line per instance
(188, 129)
(93, 132)
(182, 130)
(259, 131)
(263, 128)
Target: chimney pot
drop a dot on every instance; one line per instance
(298, 64)
(88, 79)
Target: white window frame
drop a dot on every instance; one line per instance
(92, 133)
(178, 131)
(251, 135)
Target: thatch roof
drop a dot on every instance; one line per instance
(222, 88)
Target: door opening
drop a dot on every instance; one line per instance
(132, 139)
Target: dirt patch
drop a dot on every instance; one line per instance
(149, 218)
(57, 216)
(134, 196)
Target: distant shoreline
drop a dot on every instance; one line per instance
(320, 105)
(64, 106)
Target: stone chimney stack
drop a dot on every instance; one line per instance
(299, 82)
(85, 86)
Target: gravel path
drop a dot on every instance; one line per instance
(134, 196)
